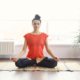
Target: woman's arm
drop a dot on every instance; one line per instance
(22, 52)
(49, 51)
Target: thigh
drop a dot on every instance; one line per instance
(24, 62)
(19, 62)
(47, 62)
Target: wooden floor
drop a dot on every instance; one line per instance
(39, 75)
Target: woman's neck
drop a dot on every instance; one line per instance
(36, 32)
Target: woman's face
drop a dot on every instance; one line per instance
(36, 24)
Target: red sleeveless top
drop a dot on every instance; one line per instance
(35, 44)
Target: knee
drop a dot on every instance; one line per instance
(54, 64)
(17, 65)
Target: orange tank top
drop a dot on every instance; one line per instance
(35, 45)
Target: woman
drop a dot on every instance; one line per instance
(36, 41)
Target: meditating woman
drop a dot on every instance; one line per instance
(35, 41)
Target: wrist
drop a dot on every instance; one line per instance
(17, 57)
(53, 56)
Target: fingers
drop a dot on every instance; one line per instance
(14, 59)
(56, 59)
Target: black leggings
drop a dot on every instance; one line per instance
(46, 62)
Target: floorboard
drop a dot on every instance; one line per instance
(40, 75)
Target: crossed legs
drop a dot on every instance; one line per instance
(46, 62)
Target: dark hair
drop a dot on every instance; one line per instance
(37, 17)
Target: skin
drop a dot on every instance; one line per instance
(36, 23)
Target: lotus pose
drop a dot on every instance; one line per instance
(35, 41)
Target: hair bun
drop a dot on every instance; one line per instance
(37, 16)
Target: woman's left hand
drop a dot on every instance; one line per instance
(56, 59)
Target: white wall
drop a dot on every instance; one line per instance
(61, 51)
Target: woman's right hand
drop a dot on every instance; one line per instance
(15, 59)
